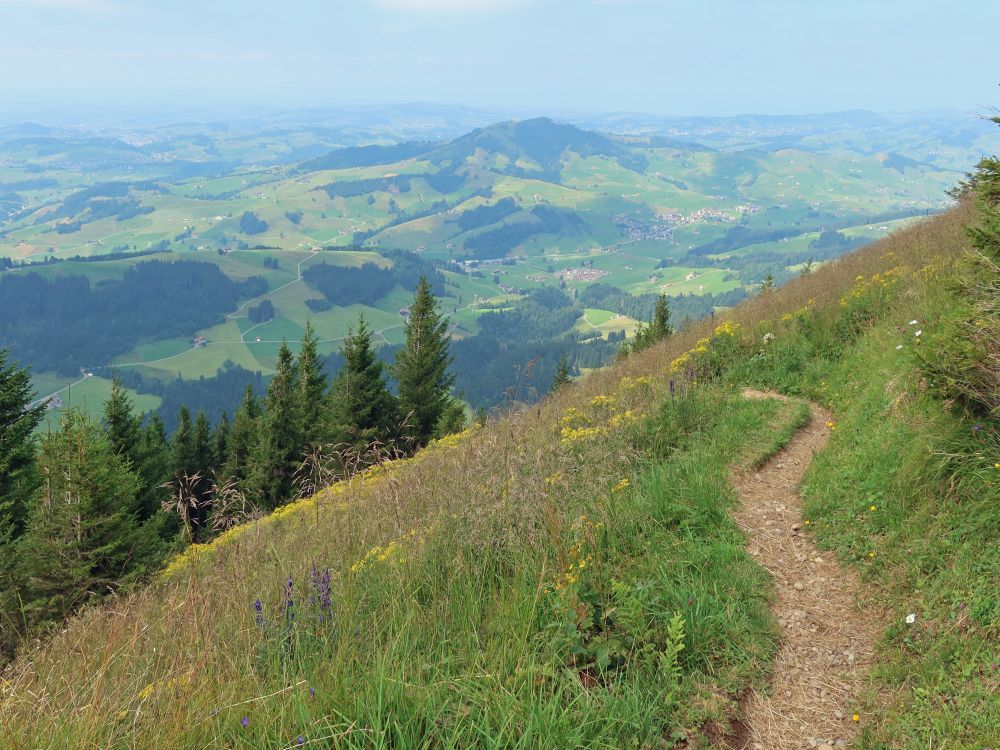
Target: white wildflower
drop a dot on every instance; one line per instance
(911, 618)
(918, 333)
(899, 346)
(914, 322)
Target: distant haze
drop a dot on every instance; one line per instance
(660, 56)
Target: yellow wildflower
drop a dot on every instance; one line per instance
(621, 485)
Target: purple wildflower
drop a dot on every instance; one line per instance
(258, 608)
(289, 601)
(672, 386)
(245, 721)
(300, 740)
(312, 692)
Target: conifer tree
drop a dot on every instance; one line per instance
(562, 377)
(122, 424)
(311, 387)
(362, 410)
(155, 469)
(279, 450)
(145, 452)
(660, 328)
(202, 445)
(421, 367)
(18, 420)
(221, 448)
(985, 233)
(243, 439)
(204, 462)
(82, 537)
(656, 330)
(183, 459)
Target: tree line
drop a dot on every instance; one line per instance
(97, 504)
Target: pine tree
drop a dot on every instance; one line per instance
(243, 439)
(562, 377)
(421, 367)
(18, 420)
(767, 284)
(311, 387)
(279, 450)
(362, 410)
(82, 537)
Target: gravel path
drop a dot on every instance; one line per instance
(827, 639)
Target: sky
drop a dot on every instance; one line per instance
(709, 57)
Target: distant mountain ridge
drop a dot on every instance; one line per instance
(540, 141)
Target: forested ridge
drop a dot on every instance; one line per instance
(65, 323)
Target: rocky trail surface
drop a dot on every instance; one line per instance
(827, 638)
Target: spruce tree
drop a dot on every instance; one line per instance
(202, 444)
(243, 439)
(362, 410)
(82, 538)
(985, 233)
(18, 420)
(562, 377)
(203, 448)
(311, 387)
(220, 451)
(183, 459)
(279, 450)
(155, 468)
(656, 330)
(660, 328)
(122, 424)
(421, 367)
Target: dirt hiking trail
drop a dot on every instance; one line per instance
(827, 640)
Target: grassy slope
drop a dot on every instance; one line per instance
(461, 614)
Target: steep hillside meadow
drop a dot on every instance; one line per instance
(570, 575)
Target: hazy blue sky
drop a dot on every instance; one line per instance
(659, 56)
